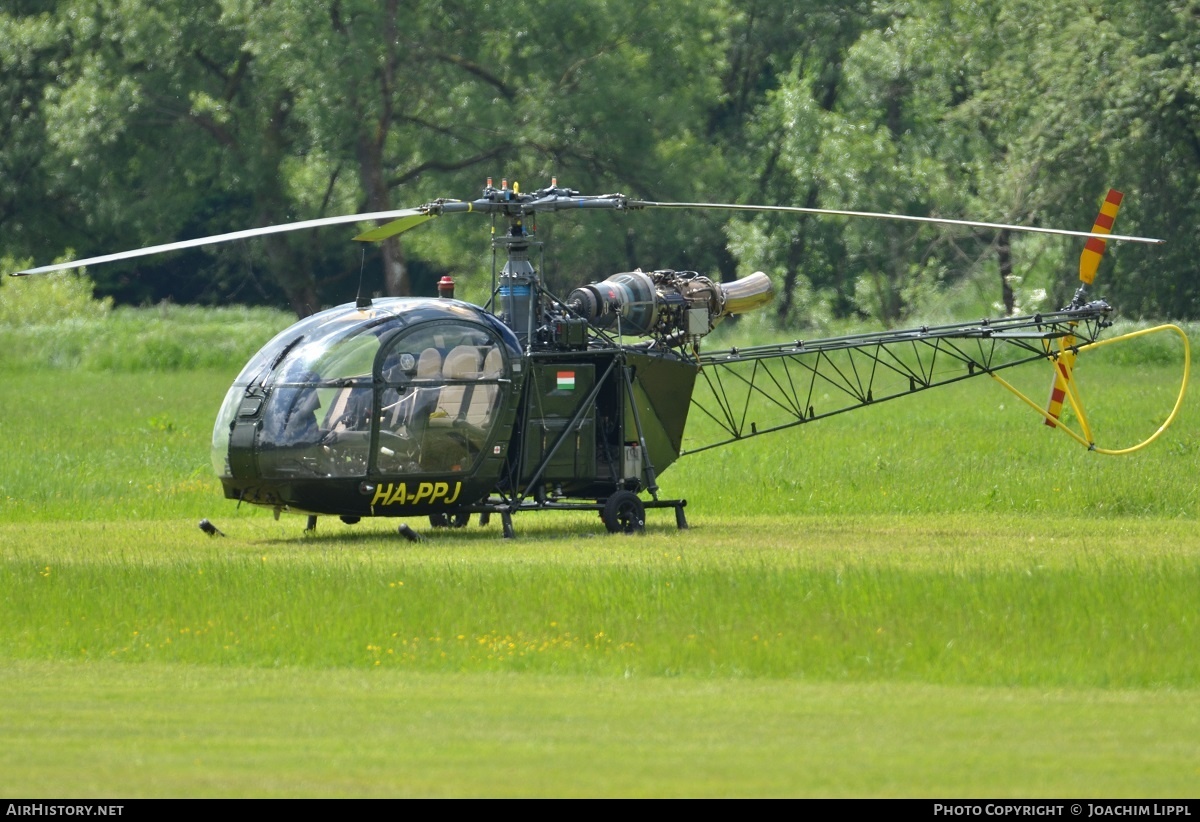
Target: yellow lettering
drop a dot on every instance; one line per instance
(381, 494)
(398, 495)
(424, 491)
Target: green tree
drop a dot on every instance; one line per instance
(1008, 111)
(135, 122)
(183, 119)
(1082, 97)
(144, 137)
(32, 51)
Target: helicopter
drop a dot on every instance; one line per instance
(439, 408)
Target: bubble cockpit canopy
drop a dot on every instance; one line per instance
(399, 387)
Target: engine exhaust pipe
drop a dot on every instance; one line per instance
(748, 293)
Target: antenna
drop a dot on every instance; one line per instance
(361, 301)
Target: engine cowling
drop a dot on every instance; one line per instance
(676, 306)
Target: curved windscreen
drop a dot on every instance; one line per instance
(373, 397)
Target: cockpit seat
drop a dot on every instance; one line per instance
(460, 371)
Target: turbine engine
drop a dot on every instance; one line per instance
(677, 307)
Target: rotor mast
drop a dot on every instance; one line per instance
(519, 280)
(520, 287)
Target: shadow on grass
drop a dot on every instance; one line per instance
(544, 530)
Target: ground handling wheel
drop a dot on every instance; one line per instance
(624, 513)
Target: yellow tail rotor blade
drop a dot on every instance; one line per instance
(1089, 260)
(1089, 263)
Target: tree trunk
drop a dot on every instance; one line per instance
(370, 151)
(290, 268)
(795, 257)
(293, 275)
(1004, 255)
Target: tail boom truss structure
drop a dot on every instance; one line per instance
(757, 390)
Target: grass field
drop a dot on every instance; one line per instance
(937, 597)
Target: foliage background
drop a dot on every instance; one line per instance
(133, 122)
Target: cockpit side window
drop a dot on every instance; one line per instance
(386, 399)
(317, 422)
(438, 401)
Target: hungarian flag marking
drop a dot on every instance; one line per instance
(566, 380)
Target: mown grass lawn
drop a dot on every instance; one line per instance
(934, 598)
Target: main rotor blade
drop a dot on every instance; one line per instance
(222, 238)
(903, 217)
(394, 227)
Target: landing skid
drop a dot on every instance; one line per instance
(622, 513)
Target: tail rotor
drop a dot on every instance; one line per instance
(1089, 264)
